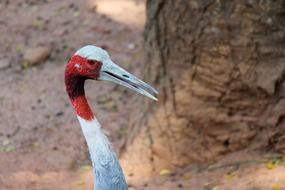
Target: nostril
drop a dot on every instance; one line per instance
(126, 76)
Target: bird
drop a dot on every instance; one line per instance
(94, 63)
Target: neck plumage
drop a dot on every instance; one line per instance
(76, 93)
(108, 174)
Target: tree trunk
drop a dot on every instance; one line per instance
(219, 66)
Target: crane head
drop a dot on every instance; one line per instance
(91, 62)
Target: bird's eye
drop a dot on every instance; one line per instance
(91, 62)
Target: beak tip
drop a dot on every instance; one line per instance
(155, 99)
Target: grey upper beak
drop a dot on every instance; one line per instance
(112, 72)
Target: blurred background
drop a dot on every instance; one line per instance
(219, 67)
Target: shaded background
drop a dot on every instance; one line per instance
(41, 142)
(219, 67)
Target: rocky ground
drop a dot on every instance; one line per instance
(41, 146)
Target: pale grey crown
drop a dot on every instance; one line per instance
(93, 52)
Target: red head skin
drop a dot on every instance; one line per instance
(77, 70)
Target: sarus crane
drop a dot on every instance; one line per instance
(91, 62)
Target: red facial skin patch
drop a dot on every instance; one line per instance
(77, 70)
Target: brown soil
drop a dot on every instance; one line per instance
(40, 139)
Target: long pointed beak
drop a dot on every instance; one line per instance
(112, 72)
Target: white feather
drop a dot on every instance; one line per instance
(108, 172)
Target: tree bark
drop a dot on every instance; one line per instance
(220, 69)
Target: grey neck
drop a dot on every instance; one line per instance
(108, 174)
